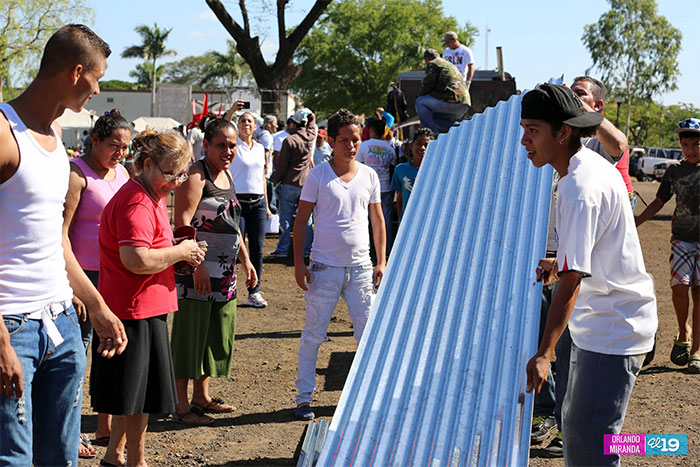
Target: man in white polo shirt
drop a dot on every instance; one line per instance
(604, 293)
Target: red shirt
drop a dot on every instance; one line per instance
(133, 218)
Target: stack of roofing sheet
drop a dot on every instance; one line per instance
(439, 377)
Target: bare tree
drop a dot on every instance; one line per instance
(275, 77)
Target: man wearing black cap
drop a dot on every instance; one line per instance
(604, 294)
(443, 97)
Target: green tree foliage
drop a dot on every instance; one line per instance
(229, 68)
(213, 70)
(189, 70)
(653, 124)
(636, 49)
(152, 48)
(360, 46)
(116, 84)
(25, 26)
(143, 75)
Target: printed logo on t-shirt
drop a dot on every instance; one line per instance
(408, 184)
(456, 59)
(378, 156)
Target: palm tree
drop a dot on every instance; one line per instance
(229, 67)
(152, 48)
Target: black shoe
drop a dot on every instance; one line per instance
(680, 352)
(542, 428)
(555, 448)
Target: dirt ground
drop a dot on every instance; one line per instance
(263, 431)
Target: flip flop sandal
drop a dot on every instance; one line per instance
(694, 365)
(104, 463)
(87, 447)
(680, 352)
(100, 441)
(194, 410)
(216, 405)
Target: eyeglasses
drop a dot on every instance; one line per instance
(690, 124)
(170, 178)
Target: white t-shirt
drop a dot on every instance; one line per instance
(323, 153)
(380, 155)
(277, 139)
(459, 57)
(615, 312)
(196, 139)
(341, 214)
(247, 168)
(266, 139)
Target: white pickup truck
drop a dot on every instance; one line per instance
(654, 163)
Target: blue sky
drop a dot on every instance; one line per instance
(538, 42)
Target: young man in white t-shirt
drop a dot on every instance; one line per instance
(604, 293)
(459, 55)
(343, 195)
(380, 154)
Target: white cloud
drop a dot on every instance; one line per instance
(203, 17)
(204, 34)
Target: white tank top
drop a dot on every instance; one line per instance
(32, 269)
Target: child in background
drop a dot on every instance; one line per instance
(405, 174)
(683, 180)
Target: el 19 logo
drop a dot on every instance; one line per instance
(667, 444)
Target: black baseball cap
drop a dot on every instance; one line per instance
(556, 103)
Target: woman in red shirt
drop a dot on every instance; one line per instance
(137, 282)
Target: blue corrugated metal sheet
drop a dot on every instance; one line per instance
(313, 441)
(439, 377)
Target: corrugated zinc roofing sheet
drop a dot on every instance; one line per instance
(439, 377)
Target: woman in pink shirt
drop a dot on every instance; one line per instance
(94, 179)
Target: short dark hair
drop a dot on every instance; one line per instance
(377, 127)
(72, 44)
(431, 54)
(338, 120)
(597, 87)
(422, 131)
(107, 123)
(688, 134)
(576, 133)
(213, 127)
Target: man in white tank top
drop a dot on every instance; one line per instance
(42, 359)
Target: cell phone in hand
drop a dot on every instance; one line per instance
(246, 104)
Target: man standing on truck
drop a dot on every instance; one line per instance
(459, 55)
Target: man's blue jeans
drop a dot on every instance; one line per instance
(438, 115)
(288, 204)
(595, 404)
(43, 426)
(545, 401)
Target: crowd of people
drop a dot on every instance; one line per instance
(90, 253)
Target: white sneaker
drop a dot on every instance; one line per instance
(256, 300)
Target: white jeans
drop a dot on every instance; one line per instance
(327, 285)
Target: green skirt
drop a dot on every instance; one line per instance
(202, 338)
